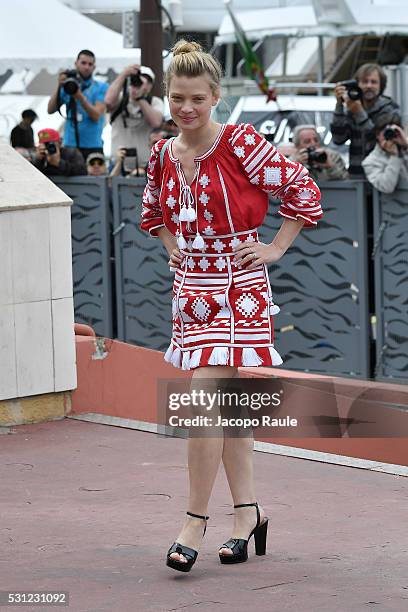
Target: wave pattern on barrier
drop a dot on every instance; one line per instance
(322, 325)
(391, 268)
(90, 251)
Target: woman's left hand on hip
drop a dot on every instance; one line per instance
(253, 254)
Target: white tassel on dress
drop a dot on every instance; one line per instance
(276, 358)
(219, 356)
(181, 242)
(195, 358)
(168, 353)
(176, 358)
(185, 364)
(273, 309)
(183, 215)
(198, 242)
(191, 214)
(250, 357)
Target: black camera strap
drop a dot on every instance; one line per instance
(72, 114)
(122, 108)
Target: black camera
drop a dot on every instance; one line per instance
(354, 92)
(71, 83)
(390, 133)
(51, 148)
(130, 152)
(135, 79)
(316, 156)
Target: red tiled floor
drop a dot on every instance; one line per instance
(92, 509)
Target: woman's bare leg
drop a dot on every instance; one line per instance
(204, 457)
(237, 458)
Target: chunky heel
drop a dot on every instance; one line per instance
(239, 546)
(189, 553)
(260, 534)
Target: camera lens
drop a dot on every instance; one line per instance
(354, 94)
(70, 86)
(135, 80)
(390, 133)
(51, 147)
(318, 157)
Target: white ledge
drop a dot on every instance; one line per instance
(23, 186)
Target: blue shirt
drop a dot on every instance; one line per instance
(90, 132)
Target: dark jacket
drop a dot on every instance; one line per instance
(71, 164)
(360, 129)
(22, 136)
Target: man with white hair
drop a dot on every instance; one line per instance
(323, 163)
(134, 113)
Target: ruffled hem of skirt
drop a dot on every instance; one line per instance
(187, 359)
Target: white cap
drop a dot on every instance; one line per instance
(148, 72)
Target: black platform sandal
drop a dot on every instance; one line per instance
(189, 553)
(239, 546)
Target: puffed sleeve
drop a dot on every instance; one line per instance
(152, 217)
(272, 172)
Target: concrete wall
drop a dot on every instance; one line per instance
(37, 344)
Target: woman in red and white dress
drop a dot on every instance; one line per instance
(206, 196)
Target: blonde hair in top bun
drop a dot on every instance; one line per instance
(189, 59)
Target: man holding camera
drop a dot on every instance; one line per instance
(84, 99)
(134, 112)
(359, 108)
(53, 160)
(323, 164)
(388, 160)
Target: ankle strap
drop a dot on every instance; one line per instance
(258, 515)
(242, 505)
(198, 515)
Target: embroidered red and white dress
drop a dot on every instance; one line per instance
(223, 313)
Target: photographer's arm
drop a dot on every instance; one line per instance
(335, 168)
(383, 176)
(153, 116)
(360, 116)
(340, 125)
(53, 101)
(115, 88)
(95, 111)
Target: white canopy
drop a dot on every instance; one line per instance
(48, 34)
(342, 18)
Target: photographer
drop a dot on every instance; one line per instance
(384, 165)
(360, 107)
(119, 167)
(323, 164)
(134, 112)
(54, 160)
(83, 98)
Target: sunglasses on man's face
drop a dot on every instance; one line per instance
(96, 162)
